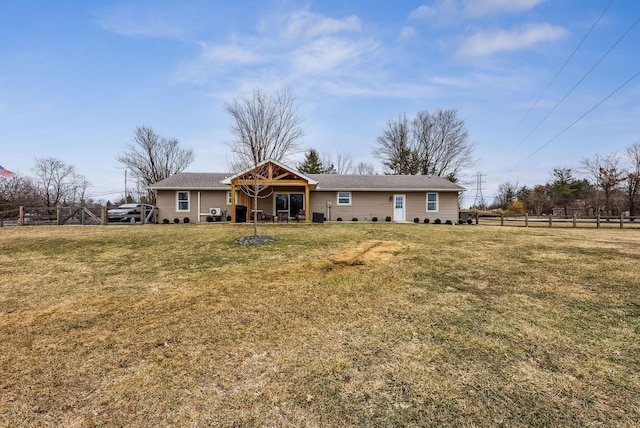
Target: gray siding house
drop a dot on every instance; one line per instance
(287, 194)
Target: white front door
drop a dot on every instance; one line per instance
(399, 208)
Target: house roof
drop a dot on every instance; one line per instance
(326, 182)
(193, 180)
(334, 182)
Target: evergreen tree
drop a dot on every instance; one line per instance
(312, 164)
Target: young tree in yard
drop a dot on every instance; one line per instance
(152, 158)
(264, 127)
(431, 144)
(256, 188)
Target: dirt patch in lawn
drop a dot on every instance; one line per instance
(368, 252)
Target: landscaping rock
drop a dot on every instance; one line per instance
(254, 239)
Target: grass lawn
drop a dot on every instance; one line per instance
(330, 325)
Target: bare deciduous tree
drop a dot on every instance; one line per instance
(396, 149)
(254, 186)
(58, 183)
(152, 158)
(606, 175)
(431, 144)
(343, 163)
(265, 127)
(633, 176)
(364, 168)
(16, 191)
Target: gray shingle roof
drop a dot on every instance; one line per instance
(193, 180)
(383, 182)
(327, 182)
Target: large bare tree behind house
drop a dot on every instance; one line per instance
(430, 144)
(152, 158)
(264, 127)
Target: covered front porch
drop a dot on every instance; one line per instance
(271, 191)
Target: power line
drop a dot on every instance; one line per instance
(561, 68)
(575, 121)
(579, 81)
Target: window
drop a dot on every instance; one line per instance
(432, 202)
(229, 197)
(292, 203)
(344, 198)
(183, 201)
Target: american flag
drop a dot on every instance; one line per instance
(5, 172)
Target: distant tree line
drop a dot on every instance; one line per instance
(602, 185)
(53, 183)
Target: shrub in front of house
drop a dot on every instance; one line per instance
(437, 221)
(176, 220)
(186, 220)
(460, 221)
(339, 219)
(165, 221)
(426, 221)
(209, 219)
(228, 218)
(387, 218)
(469, 221)
(354, 219)
(374, 219)
(416, 220)
(448, 222)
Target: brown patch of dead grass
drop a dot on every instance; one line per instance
(371, 251)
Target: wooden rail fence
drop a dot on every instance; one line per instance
(77, 215)
(526, 220)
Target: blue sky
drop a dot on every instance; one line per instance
(76, 77)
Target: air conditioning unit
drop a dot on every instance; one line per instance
(215, 212)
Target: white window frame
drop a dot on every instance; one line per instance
(229, 197)
(343, 203)
(437, 202)
(178, 200)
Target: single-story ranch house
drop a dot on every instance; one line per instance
(287, 194)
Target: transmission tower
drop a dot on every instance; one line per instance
(478, 202)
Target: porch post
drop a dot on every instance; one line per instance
(306, 206)
(233, 202)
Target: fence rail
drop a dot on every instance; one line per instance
(525, 220)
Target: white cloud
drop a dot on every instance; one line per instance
(448, 11)
(486, 7)
(489, 42)
(228, 54)
(407, 33)
(132, 21)
(328, 53)
(313, 24)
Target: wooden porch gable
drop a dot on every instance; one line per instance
(269, 173)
